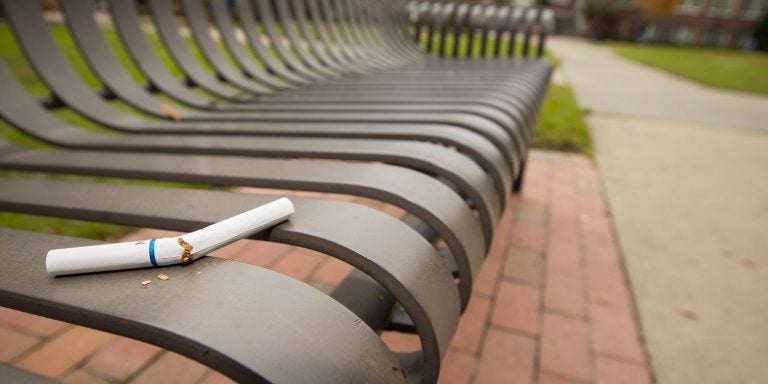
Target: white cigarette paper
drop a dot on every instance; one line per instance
(168, 250)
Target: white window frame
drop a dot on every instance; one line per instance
(688, 8)
(690, 34)
(721, 12)
(752, 13)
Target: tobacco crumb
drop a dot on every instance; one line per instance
(163, 276)
(145, 283)
(171, 112)
(186, 255)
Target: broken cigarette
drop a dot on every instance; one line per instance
(168, 250)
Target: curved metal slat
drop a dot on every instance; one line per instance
(238, 319)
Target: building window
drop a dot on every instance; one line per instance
(720, 7)
(562, 3)
(650, 33)
(684, 35)
(752, 9)
(743, 39)
(691, 7)
(725, 39)
(712, 37)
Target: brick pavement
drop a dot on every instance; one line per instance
(550, 305)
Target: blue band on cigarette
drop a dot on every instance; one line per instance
(152, 253)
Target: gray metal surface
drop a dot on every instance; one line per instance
(186, 209)
(10, 374)
(239, 319)
(346, 104)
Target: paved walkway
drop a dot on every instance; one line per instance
(686, 173)
(550, 306)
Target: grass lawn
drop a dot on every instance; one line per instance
(18, 65)
(722, 68)
(561, 124)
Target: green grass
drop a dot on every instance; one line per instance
(722, 68)
(561, 124)
(18, 65)
(461, 42)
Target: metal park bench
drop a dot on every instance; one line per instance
(307, 95)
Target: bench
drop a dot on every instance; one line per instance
(324, 96)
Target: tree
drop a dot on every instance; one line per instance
(602, 16)
(761, 33)
(658, 7)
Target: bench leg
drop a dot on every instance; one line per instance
(518, 184)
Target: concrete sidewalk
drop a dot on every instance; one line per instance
(686, 172)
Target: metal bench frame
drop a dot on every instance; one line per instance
(346, 105)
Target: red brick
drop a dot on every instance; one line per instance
(393, 211)
(231, 251)
(472, 325)
(401, 342)
(503, 231)
(149, 233)
(37, 325)
(82, 376)
(122, 358)
(598, 237)
(549, 378)
(537, 181)
(523, 266)
(609, 371)
(529, 236)
(604, 252)
(506, 358)
(593, 205)
(581, 161)
(563, 216)
(64, 351)
(517, 307)
(172, 368)
(14, 344)
(563, 194)
(532, 212)
(298, 263)
(565, 294)
(565, 347)
(457, 368)
(606, 285)
(261, 253)
(214, 377)
(332, 271)
(488, 277)
(614, 331)
(563, 208)
(535, 187)
(370, 203)
(564, 254)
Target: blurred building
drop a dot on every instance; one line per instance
(569, 16)
(722, 23)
